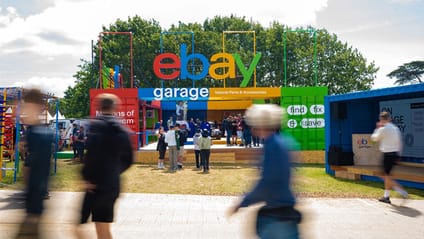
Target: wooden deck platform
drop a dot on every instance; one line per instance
(218, 155)
(239, 155)
(400, 172)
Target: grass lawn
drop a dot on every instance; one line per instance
(309, 181)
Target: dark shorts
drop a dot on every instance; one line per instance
(162, 154)
(99, 205)
(389, 160)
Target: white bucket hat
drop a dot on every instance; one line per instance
(265, 116)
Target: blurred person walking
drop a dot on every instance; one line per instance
(278, 218)
(390, 144)
(39, 141)
(109, 153)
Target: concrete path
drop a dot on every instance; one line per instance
(191, 217)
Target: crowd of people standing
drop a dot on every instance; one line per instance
(235, 127)
(174, 141)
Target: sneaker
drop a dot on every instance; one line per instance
(384, 199)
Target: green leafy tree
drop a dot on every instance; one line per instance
(340, 67)
(75, 103)
(408, 73)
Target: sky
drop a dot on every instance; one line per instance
(42, 41)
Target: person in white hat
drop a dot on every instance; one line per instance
(278, 218)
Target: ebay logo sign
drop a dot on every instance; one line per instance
(220, 66)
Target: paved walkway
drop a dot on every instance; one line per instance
(193, 217)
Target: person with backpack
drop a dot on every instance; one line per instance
(109, 154)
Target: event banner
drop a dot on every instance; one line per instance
(365, 151)
(408, 115)
(208, 94)
(305, 115)
(128, 112)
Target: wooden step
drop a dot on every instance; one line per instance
(400, 172)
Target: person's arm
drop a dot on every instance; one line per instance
(167, 137)
(273, 175)
(377, 134)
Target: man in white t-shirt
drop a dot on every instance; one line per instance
(390, 144)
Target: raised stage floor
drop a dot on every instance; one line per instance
(407, 172)
(221, 153)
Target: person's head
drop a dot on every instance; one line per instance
(205, 133)
(32, 106)
(171, 127)
(82, 128)
(161, 130)
(385, 117)
(74, 125)
(107, 103)
(198, 131)
(264, 119)
(177, 126)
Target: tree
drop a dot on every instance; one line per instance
(75, 104)
(408, 73)
(340, 67)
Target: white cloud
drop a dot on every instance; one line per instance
(54, 85)
(403, 1)
(74, 24)
(67, 28)
(82, 21)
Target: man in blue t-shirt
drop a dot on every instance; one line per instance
(278, 218)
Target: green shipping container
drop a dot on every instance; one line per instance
(305, 115)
